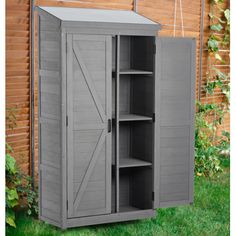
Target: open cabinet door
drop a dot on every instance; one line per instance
(174, 126)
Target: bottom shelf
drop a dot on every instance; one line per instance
(133, 162)
(128, 208)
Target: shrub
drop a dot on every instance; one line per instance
(18, 188)
(211, 151)
(12, 197)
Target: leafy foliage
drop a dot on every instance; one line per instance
(213, 45)
(216, 27)
(11, 191)
(212, 151)
(18, 185)
(31, 196)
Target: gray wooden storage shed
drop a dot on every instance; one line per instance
(116, 117)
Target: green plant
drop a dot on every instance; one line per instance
(18, 185)
(215, 77)
(207, 152)
(25, 191)
(212, 151)
(11, 190)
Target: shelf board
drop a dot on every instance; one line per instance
(128, 208)
(132, 162)
(133, 117)
(135, 72)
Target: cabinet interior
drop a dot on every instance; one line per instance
(132, 132)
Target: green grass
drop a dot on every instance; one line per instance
(208, 216)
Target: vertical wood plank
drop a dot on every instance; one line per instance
(117, 115)
(70, 126)
(63, 130)
(192, 121)
(157, 95)
(109, 116)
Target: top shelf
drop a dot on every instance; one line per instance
(134, 72)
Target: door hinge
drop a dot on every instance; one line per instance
(67, 204)
(66, 120)
(153, 196)
(153, 117)
(154, 48)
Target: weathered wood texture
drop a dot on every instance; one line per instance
(50, 120)
(88, 107)
(18, 78)
(18, 54)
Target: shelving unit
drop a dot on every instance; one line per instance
(133, 101)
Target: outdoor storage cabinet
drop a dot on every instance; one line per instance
(116, 117)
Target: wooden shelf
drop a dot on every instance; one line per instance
(133, 117)
(134, 72)
(128, 208)
(133, 162)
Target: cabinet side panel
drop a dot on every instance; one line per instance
(49, 120)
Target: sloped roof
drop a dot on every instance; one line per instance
(97, 15)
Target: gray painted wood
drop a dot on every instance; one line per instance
(63, 131)
(76, 60)
(109, 30)
(136, 91)
(111, 27)
(49, 120)
(174, 138)
(135, 188)
(133, 162)
(89, 108)
(97, 15)
(117, 125)
(111, 218)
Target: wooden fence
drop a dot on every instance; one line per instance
(18, 93)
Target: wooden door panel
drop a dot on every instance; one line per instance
(175, 108)
(89, 108)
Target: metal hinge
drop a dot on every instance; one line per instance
(154, 48)
(153, 196)
(153, 117)
(67, 204)
(66, 120)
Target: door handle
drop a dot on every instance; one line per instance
(109, 125)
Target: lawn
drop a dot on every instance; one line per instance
(208, 216)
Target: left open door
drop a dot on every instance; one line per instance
(88, 130)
